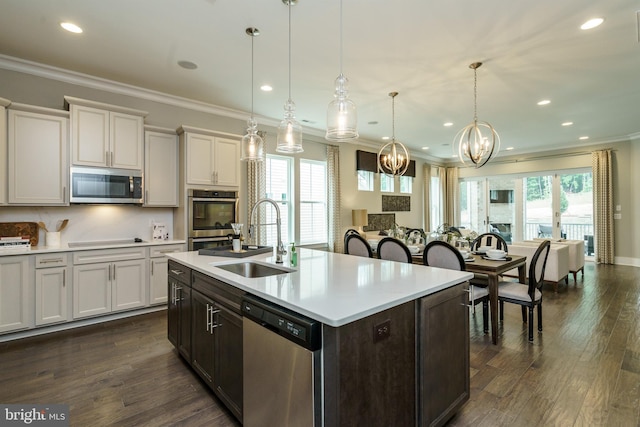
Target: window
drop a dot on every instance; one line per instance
(436, 217)
(278, 188)
(313, 202)
(406, 184)
(365, 180)
(386, 183)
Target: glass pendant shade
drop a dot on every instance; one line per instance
(393, 157)
(342, 115)
(252, 144)
(477, 142)
(289, 131)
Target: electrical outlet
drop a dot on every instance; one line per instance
(382, 331)
(617, 216)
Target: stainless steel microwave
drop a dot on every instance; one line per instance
(106, 185)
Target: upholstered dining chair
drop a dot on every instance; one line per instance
(348, 233)
(355, 244)
(527, 295)
(416, 236)
(489, 239)
(441, 254)
(393, 250)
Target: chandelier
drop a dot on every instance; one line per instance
(477, 141)
(289, 130)
(393, 157)
(252, 143)
(342, 116)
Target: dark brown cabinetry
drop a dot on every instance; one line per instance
(179, 308)
(217, 338)
(443, 354)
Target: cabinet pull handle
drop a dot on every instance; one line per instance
(46, 261)
(152, 268)
(64, 194)
(208, 317)
(114, 271)
(64, 278)
(177, 272)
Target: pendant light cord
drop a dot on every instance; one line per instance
(341, 53)
(290, 1)
(252, 37)
(393, 116)
(475, 94)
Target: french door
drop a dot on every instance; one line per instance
(553, 205)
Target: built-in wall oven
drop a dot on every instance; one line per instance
(210, 215)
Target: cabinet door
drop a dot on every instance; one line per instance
(203, 339)
(3, 150)
(129, 285)
(161, 169)
(14, 293)
(227, 162)
(89, 136)
(199, 165)
(91, 289)
(52, 292)
(158, 280)
(126, 137)
(38, 168)
(443, 369)
(228, 359)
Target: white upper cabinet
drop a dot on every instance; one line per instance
(3, 150)
(104, 135)
(210, 159)
(160, 167)
(38, 140)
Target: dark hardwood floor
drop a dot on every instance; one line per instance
(583, 370)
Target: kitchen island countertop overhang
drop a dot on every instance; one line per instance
(335, 289)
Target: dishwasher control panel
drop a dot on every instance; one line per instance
(291, 325)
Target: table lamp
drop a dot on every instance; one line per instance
(359, 219)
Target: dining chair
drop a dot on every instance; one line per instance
(393, 250)
(416, 236)
(527, 295)
(441, 254)
(355, 244)
(348, 233)
(489, 239)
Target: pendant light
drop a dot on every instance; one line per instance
(478, 141)
(393, 157)
(252, 142)
(342, 116)
(289, 131)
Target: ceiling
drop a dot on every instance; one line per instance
(422, 49)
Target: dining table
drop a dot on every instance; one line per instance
(493, 269)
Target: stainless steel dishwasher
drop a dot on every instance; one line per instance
(281, 366)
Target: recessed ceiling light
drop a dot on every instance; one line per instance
(266, 88)
(425, 148)
(591, 23)
(188, 65)
(72, 28)
(584, 137)
(385, 138)
(567, 123)
(509, 148)
(448, 124)
(544, 102)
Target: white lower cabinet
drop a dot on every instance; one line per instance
(53, 289)
(158, 264)
(109, 280)
(15, 293)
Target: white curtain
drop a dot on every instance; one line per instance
(451, 197)
(256, 189)
(426, 194)
(603, 206)
(334, 239)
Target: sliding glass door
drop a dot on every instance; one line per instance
(488, 205)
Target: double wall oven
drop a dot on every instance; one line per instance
(210, 215)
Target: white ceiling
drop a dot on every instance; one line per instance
(531, 50)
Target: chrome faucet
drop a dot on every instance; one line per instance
(280, 251)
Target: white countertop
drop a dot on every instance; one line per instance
(104, 244)
(334, 289)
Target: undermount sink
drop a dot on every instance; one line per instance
(252, 270)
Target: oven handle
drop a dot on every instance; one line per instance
(211, 199)
(210, 239)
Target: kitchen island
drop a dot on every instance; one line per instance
(394, 336)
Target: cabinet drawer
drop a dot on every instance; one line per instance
(221, 292)
(180, 272)
(158, 251)
(51, 260)
(109, 255)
